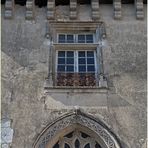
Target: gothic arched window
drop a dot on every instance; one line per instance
(77, 139)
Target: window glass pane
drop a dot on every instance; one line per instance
(70, 39)
(90, 68)
(66, 146)
(70, 61)
(61, 60)
(61, 68)
(82, 61)
(81, 38)
(70, 54)
(89, 38)
(61, 38)
(70, 68)
(90, 53)
(87, 146)
(61, 54)
(82, 68)
(90, 60)
(81, 53)
(77, 144)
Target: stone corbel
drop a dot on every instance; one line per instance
(117, 9)
(9, 9)
(73, 9)
(30, 9)
(50, 9)
(139, 9)
(95, 9)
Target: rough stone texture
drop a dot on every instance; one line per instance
(25, 67)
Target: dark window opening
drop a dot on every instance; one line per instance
(83, 2)
(105, 1)
(3, 1)
(145, 1)
(127, 1)
(62, 2)
(20, 2)
(41, 3)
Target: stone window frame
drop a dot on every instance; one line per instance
(54, 28)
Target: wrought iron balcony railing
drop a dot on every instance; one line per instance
(78, 80)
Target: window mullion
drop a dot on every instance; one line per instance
(76, 61)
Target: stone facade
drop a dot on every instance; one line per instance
(31, 102)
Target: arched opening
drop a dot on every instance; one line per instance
(76, 130)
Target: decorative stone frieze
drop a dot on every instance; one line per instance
(95, 9)
(117, 9)
(9, 9)
(30, 9)
(50, 9)
(139, 9)
(73, 9)
(76, 118)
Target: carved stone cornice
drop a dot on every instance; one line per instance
(95, 9)
(117, 9)
(139, 9)
(51, 9)
(30, 9)
(9, 9)
(73, 9)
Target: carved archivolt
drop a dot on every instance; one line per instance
(73, 121)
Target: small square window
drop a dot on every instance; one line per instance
(81, 38)
(62, 38)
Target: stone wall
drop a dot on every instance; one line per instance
(25, 67)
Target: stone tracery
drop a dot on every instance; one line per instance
(76, 123)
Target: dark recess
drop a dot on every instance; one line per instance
(41, 3)
(62, 2)
(82, 2)
(20, 2)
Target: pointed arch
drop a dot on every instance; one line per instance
(81, 121)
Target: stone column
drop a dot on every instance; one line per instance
(73, 9)
(9, 9)
(30, 9)
(117, 9)
(95, 9)
(139, 9)
(50, 9)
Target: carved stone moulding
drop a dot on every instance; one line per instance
(73, 120)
